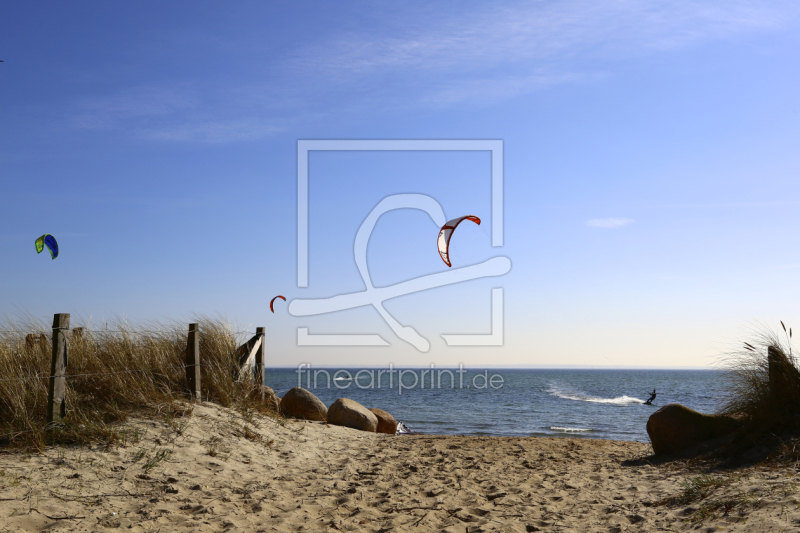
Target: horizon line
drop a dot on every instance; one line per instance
(505, 367)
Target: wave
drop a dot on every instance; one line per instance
(558, 429)
(581, 397)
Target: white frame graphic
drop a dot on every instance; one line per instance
(494, 146)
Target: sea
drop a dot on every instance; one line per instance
(585, 403)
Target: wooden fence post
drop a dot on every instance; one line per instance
(260, 359)
(77, 334)
(193, 362)
(56, 404)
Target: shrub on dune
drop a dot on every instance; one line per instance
(763, 382)
(762, 390)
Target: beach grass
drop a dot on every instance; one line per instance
(763, 382)
(114, 371)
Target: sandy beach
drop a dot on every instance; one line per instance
(217, 470)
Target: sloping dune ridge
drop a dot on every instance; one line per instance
(217, 470)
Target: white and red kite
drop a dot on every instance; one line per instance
(447, 231)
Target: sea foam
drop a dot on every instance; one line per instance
(560, 392)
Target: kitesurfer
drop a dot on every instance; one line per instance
(652, 397)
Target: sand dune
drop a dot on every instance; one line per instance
(218, 471)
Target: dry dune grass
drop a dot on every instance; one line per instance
(113, 372)
(763, 398)
(762, 384)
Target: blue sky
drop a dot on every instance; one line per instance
(650, 161)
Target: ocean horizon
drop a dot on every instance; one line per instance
(509, 367)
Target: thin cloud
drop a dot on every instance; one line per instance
(484, 39)
(172, 114)
(425, 57)
(133, 104)
(540, 42)
(611, 223)
(212, 132)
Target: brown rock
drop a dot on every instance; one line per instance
(271, 400)
(675, 427)
(268, 396)
(351, 414)
(300, 403)
(386, 422)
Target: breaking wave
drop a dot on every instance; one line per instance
(566, 394)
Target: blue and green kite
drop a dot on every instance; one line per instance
(51, 243)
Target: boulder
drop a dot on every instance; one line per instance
(386, 422)
(675, 427)
(351, 414)
(271, 400)
(300, 403)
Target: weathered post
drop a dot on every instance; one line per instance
(193, 362)
(56, 404)
(77, 334)
(260, 360)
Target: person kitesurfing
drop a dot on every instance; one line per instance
(652, 397)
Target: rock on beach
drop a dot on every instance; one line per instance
(386, 422)
(351, 414)
(675, 427)
(272, 400)
(302, 404)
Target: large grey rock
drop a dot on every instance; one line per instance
(300, 403)
(351, 414)
(386, 422)
(675, 427)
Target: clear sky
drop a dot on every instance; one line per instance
(651, 164)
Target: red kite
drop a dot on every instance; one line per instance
(273, 300)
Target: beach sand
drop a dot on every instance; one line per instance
(216, 470)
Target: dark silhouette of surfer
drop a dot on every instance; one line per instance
(652, 397)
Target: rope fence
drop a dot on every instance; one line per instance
(71, 376)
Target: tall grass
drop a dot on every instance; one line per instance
(113, 372)
(763, 382)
